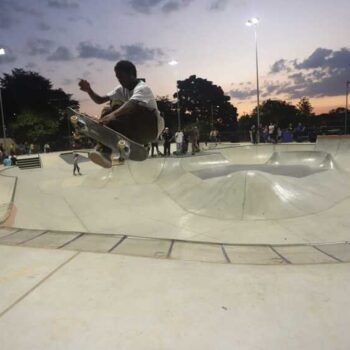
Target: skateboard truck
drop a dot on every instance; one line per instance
(78, 124)
(124, 149)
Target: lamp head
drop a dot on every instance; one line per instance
(252, 22)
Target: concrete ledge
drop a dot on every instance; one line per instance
(239, 254)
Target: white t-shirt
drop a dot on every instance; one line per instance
(141, 94)
(179, 137)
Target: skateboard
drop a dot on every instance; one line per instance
(118, 143)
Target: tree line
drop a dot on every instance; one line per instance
(35, 112)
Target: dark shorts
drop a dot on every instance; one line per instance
(140, 126)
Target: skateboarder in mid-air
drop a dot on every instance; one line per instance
(133, 111)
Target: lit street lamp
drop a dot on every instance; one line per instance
(174, 63)
(253, 22)
(2, 52)
(346, 106)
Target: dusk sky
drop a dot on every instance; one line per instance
(304, 47)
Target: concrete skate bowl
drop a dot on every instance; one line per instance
(255, 196)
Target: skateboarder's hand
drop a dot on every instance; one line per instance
(84, 85)
(107, 119)
(97, 120)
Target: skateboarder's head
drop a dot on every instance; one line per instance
(126, 73)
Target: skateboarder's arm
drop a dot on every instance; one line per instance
(85, 86)
(97, 98)
(126, 108)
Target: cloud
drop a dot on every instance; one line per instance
(67, 81)
(136, 53)
(323, 73)
(166, 6)
(82, 19)
(317, 59)
(144, 6)
(279, 66)
(11, 11)
(43, 26)
(171, 6)
(88, 50)
(39, 46)
(30, 65)
(62, 53)
(218, 5)
(63, 4)
(298, 78)
(242, 94)
(139, 54)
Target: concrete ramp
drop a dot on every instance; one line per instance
(239, 194)
(339, 147)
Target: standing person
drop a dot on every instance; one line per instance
(2, 153)
(137, 118)
(31, 148)
(185, 142)
(298, 132)
(274, 133)
(155, 145)
(179, 139)
(279, 134)
(265, 133)
(76, 165)
(167, 137)
(271, 130)
(254, 134)
(194, 138)
(13, 158)
(46, 148)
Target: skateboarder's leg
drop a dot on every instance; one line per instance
(141, 127)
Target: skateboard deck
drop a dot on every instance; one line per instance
(119, 143)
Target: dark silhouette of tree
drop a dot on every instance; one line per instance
(205, 104)
(31, 102)
(305, 108)
(276, 111)
(168, 110)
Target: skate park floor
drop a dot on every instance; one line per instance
(237, 247)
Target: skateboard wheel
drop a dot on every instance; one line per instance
(121, 144)
(74, 119)
(124, 149)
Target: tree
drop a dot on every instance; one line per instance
(168, 110)
(29, 99)
(304, 107)
(205, 104)
(34, 127)
(276, 111)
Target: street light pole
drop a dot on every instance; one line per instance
(346, 106)
(3, 120)
(178, 108)
(2, 52)
(254, 23)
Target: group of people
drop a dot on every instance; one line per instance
(7, 159)
(273, 133)
(182, 139)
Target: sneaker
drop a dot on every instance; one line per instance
(102, 159)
